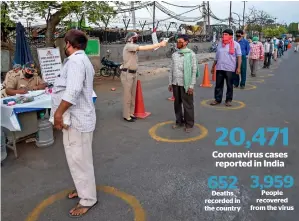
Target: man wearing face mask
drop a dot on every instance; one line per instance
(269, 51)
(26, 81)
(228, 60)
(17, 69)
(72, 93)
(256, 54)
(129, 72)
(182, 79)
(245, 48)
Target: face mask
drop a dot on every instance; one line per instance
(226, 37)
(65, 51)
(28, 76)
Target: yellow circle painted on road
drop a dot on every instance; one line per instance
(206, 103)
(256, 80)
(139, 214)
(268, 75)
(153, 133)
(251, 87)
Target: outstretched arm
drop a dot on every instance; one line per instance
(152, 47)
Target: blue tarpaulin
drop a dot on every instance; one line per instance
(22, 52)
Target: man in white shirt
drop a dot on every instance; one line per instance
(269, 51)
(73, 89)
(276, 43)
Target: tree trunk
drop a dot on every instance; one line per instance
(51, 26)
(50, 35)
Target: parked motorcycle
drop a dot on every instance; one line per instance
(213, 48)
(195, 49)
(110, 68)
(171, 50)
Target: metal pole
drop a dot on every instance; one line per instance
(204, 31)
(230, 13)
(209, 24)
(244, 15)
(154, 15)
(133, 15)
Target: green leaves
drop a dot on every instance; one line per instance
(55, 12)
(95, 11)
(274, 32)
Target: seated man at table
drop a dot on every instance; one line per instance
(28, 80)
(16, 70)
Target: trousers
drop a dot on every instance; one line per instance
(253, 63)
(279, 52)
(236, 77)
(129, 82)
(275, 53)
(182, 98)
(220, 77)
(78, 151)
(267, 60)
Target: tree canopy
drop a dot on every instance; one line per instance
(274, 32)
(55, 11)
(6, 22)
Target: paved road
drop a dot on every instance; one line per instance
(169, 180)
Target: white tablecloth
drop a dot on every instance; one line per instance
(9, 119)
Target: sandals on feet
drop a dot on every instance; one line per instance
(188, 129)
(80, 207)
(176, 126)
(72, 195)
(214, 103)
(228, 104)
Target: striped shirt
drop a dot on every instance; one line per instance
(176, 76)
(75, 85)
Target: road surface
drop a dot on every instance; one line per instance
(161, 181)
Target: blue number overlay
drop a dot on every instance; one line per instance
(237, 136)
(267, 182)
(222, 182)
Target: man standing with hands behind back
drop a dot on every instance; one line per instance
(245, 48)
(228, 61)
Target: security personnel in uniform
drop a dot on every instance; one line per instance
(26, 81)
(16, 70)
(129, 72)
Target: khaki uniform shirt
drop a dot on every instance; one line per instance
(10, 74)
(19, 81)
(130, 56)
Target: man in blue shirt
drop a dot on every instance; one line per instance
(245, 48)
(286, 42)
